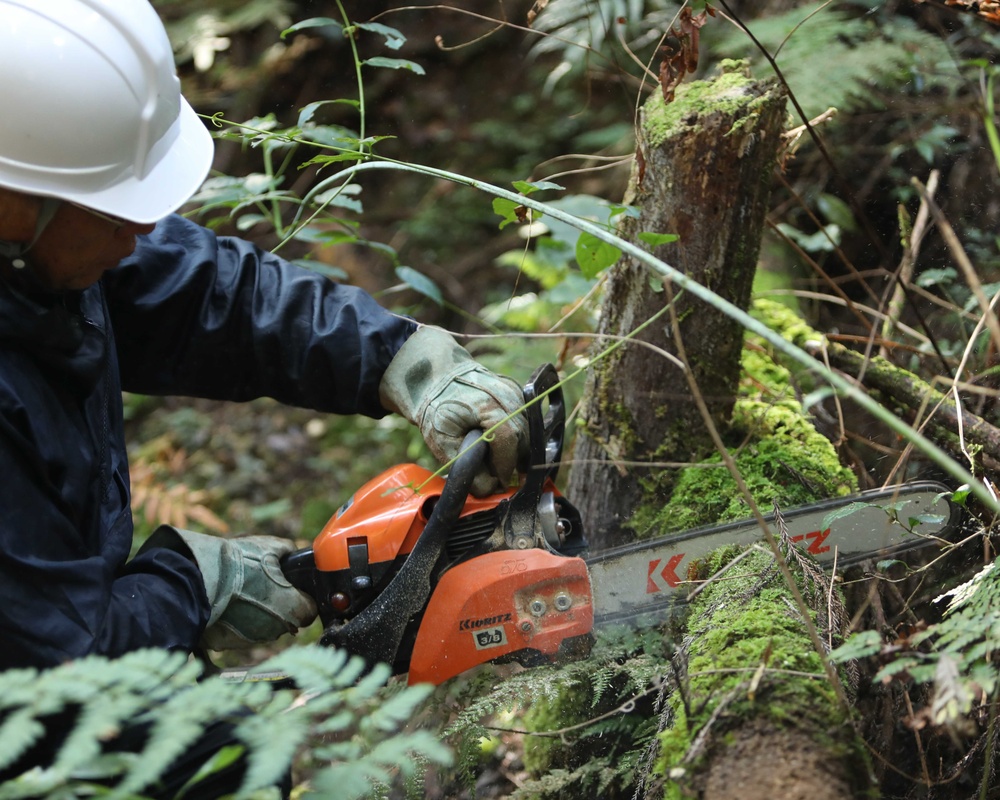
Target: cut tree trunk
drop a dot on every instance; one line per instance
(703, 172)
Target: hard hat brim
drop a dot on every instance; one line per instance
(168, 185)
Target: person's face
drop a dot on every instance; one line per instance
(78, 246)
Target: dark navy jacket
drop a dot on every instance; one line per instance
(186, 314)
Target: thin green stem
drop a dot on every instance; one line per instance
(349, 33)
(275, 205)
(989, 119)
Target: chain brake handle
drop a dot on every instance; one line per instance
(545, 430)
(545, 443)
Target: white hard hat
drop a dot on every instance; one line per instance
(91, 108)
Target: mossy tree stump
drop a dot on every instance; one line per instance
(706, 169)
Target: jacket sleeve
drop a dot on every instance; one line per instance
(206, 316)
(65, 595)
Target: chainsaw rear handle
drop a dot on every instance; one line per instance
(377, 632)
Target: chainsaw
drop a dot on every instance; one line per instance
(414, 572)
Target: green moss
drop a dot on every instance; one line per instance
(726, 94)
(780, 455)
(731, 635)
(783, 320)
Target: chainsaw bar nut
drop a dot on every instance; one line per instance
(563, 602)
(537, 607)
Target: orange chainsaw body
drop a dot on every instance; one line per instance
(499, 605)
(388, 515)
(414, 572)
(493, 606)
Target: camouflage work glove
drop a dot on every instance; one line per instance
(440, 388)
(252, 600)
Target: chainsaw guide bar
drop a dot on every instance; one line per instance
(651, 577)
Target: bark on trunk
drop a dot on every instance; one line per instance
(704, 173)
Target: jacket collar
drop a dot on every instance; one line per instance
(67, 331)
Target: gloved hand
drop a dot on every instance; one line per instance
(252, 600)
(440, 388)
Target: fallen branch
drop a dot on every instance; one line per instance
(951, 424)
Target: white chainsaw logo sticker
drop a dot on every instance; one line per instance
(491, 637)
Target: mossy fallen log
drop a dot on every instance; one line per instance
(755, 714)
(960, 432)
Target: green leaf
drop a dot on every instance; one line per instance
(933, 277)
(323, 160)
(527, 187)
(594, 255)
(247, 221)
(393, 38)
(509, 211)
(840, 513)
(930, 519)
(306, 113)
(822, 241)
(836, 211)
(655, 239)
(326, 237)
(341, 197)
(223, 758)
(420, 283)
(315, 22)
(394, 63)
(333, 273)
(960, 495)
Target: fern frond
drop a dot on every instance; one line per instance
(832, 59)
(179, 723)
(398, 709)
(159, 696)
(18, 733)
(272, 740)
